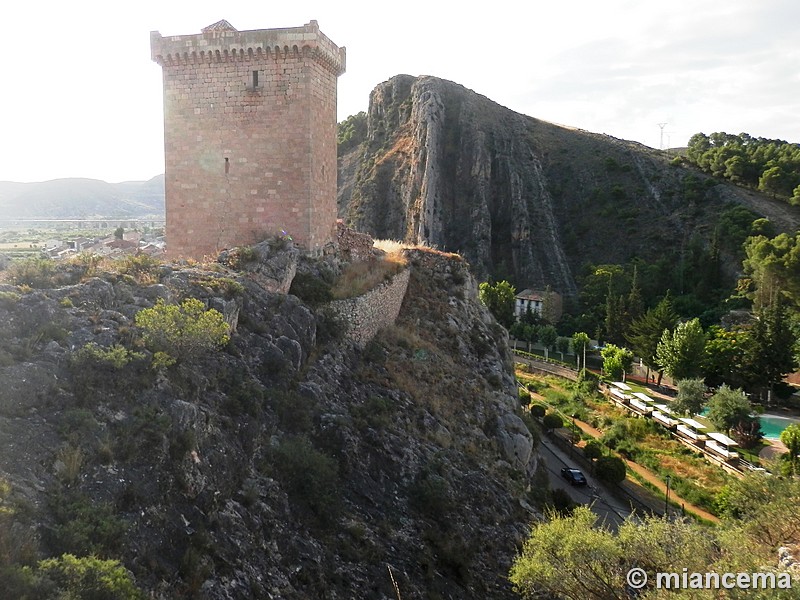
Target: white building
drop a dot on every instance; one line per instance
(545, 304)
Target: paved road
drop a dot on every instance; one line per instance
(604, 505)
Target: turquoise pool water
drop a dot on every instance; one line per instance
(772, 425)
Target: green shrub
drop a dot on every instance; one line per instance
(140, 266)
(89, 578)
(143, 434)
(97, 371)
(182, 331)
(376, 412)
(93, 356)
(556, 397)
(82, 526)
(620, 431)
(295, 413)
(538, 410)
(239, 257)
(610, 469)
(351, 132)
(162, 360)
(638, 429)
(229, 288)
(374, 352)
(694, 494)
(552, 421)
(524, 396)
(593, 450)
(8, 300)
(589, 383)
(33, 272)
(311, 289)
(310, 478)
(430, 495)
(245, 398)
(330, 326)
(562, 502)
(628, 449)
(25, 583)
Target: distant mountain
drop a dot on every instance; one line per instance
(81, 198)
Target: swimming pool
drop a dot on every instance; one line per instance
(772, 425)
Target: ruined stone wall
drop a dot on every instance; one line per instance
(378, 308)
(352, 244)
(250, 136)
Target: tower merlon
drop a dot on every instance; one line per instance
(222, 43)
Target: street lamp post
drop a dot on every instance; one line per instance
(668, 479)
(574, 431)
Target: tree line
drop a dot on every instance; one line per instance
(744, 356)
(771, 166)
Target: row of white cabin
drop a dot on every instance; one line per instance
(688, 430)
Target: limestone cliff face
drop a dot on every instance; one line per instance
(441, 169)
(518, 197)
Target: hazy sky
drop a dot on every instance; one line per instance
(80, 96)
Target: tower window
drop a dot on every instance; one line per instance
(255, 79)
(227, 165)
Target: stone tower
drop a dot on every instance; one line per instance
(249, 136)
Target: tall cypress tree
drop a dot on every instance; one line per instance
(645, 332)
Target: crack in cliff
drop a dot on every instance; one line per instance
(552, 230)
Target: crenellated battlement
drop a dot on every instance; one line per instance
(221, 43)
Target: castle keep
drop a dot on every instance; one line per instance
(249, 136)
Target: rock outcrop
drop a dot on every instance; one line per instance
(289, 464)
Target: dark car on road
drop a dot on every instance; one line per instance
(574, 476)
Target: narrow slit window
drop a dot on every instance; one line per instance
(227, 165)
(255, 79)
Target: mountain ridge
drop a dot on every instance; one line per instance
(80, 197)
(521, 198)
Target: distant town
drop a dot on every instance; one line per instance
(60, 239)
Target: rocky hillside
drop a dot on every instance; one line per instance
(290, 463)
(81, 198)
(521, 198)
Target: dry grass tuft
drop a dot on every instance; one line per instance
(360, 277)
(392, 246)
(69, 462)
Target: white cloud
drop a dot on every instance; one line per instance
(82, 98)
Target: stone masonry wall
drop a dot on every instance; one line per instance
(250, 136)
(376, 309)
(353, 245)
